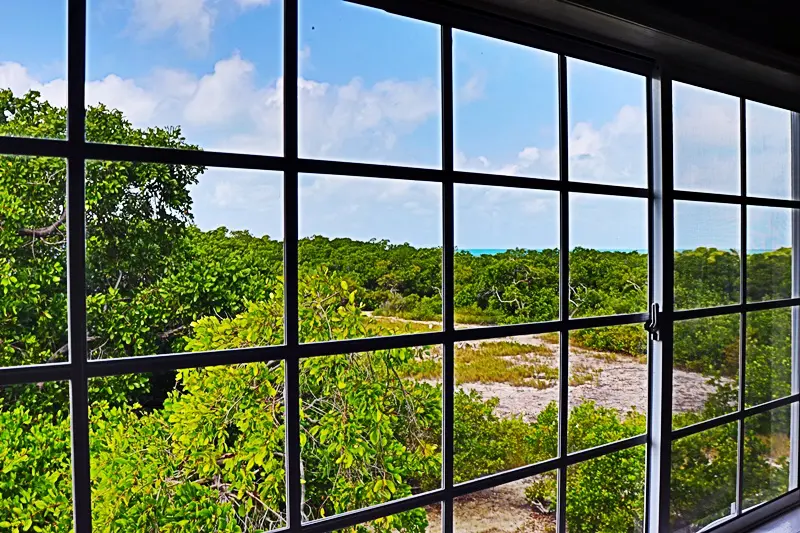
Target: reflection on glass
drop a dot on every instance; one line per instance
(361, 96)
(506, 259)
(769, 253)
(182, 258)
(525, 505)
(427, 518)
(766, 456)
(707, 249)
(768, 151)
(33, 256)
(506, 107)
(706, 368)
(506, 404)
(370, 428)
(201, 449)
(33, 71)
(703, 479)
(370, 257)
(608, 256)
(210, 73)
(706, 136)
(607, 385)
(607, 493)
(608, 125)
(769, 356)
(36, 474)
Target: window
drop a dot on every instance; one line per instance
(284, 274)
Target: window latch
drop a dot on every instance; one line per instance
(652, 325)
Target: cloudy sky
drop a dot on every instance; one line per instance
(369, 91)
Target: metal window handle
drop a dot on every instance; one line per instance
(652, 325)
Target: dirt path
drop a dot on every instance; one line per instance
(621, 384)
(497, 510)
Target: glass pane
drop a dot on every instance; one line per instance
(766, 456)
(769, 356)
(361, 96)
(706, 369)
(769, 136)
(209, 72)
(33, 250)
(608, 255)
(505, 406)
(33, 69)
(506, 107)
(525, 505)
(371, 428)
(608, 125)
(769, 253)
(506, 260)
(370, 257)
(706, 136)
(607, 385)
(182, 259)
(200, 449)
(707, 248)
(421, 519)
(703, 480)
(607, 493)
(36, 476)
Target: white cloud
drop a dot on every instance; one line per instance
(473, 89)
(193, 20)
(252, 3)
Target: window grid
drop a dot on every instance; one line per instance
(79, 370)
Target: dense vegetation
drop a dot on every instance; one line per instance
(202, 449)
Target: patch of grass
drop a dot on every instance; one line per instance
(490, 362)
(399, 327)
(583, 374)
(477, 316)
(550, 338)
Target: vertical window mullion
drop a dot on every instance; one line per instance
(76, 265)
(660, 356)
(794, 455)
(448, 289)
(294, 469)
(563, 272)
(743, 300)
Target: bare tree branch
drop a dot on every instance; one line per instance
(45, 231)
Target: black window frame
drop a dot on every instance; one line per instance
(659, 194)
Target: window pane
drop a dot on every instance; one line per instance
(182, 259)
(505, 406)
(608, 256)
(766, 456)
(506, 107)
(706, 136)
(703, 480)
(607, 493)
(33, 279)
(608, 125)
(706, 369)
(370, 257)
(361, 96)
(200, 448)
(525, 505)
(371, 428)
(607, 385)
(36, 477)
(33, 68)
(707, 248)
(506, 260)
(769, 160)
(209, 73)
(769, 253)
(769, 356)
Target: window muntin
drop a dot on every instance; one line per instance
(78, 368)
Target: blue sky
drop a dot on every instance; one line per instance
(370, 91)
